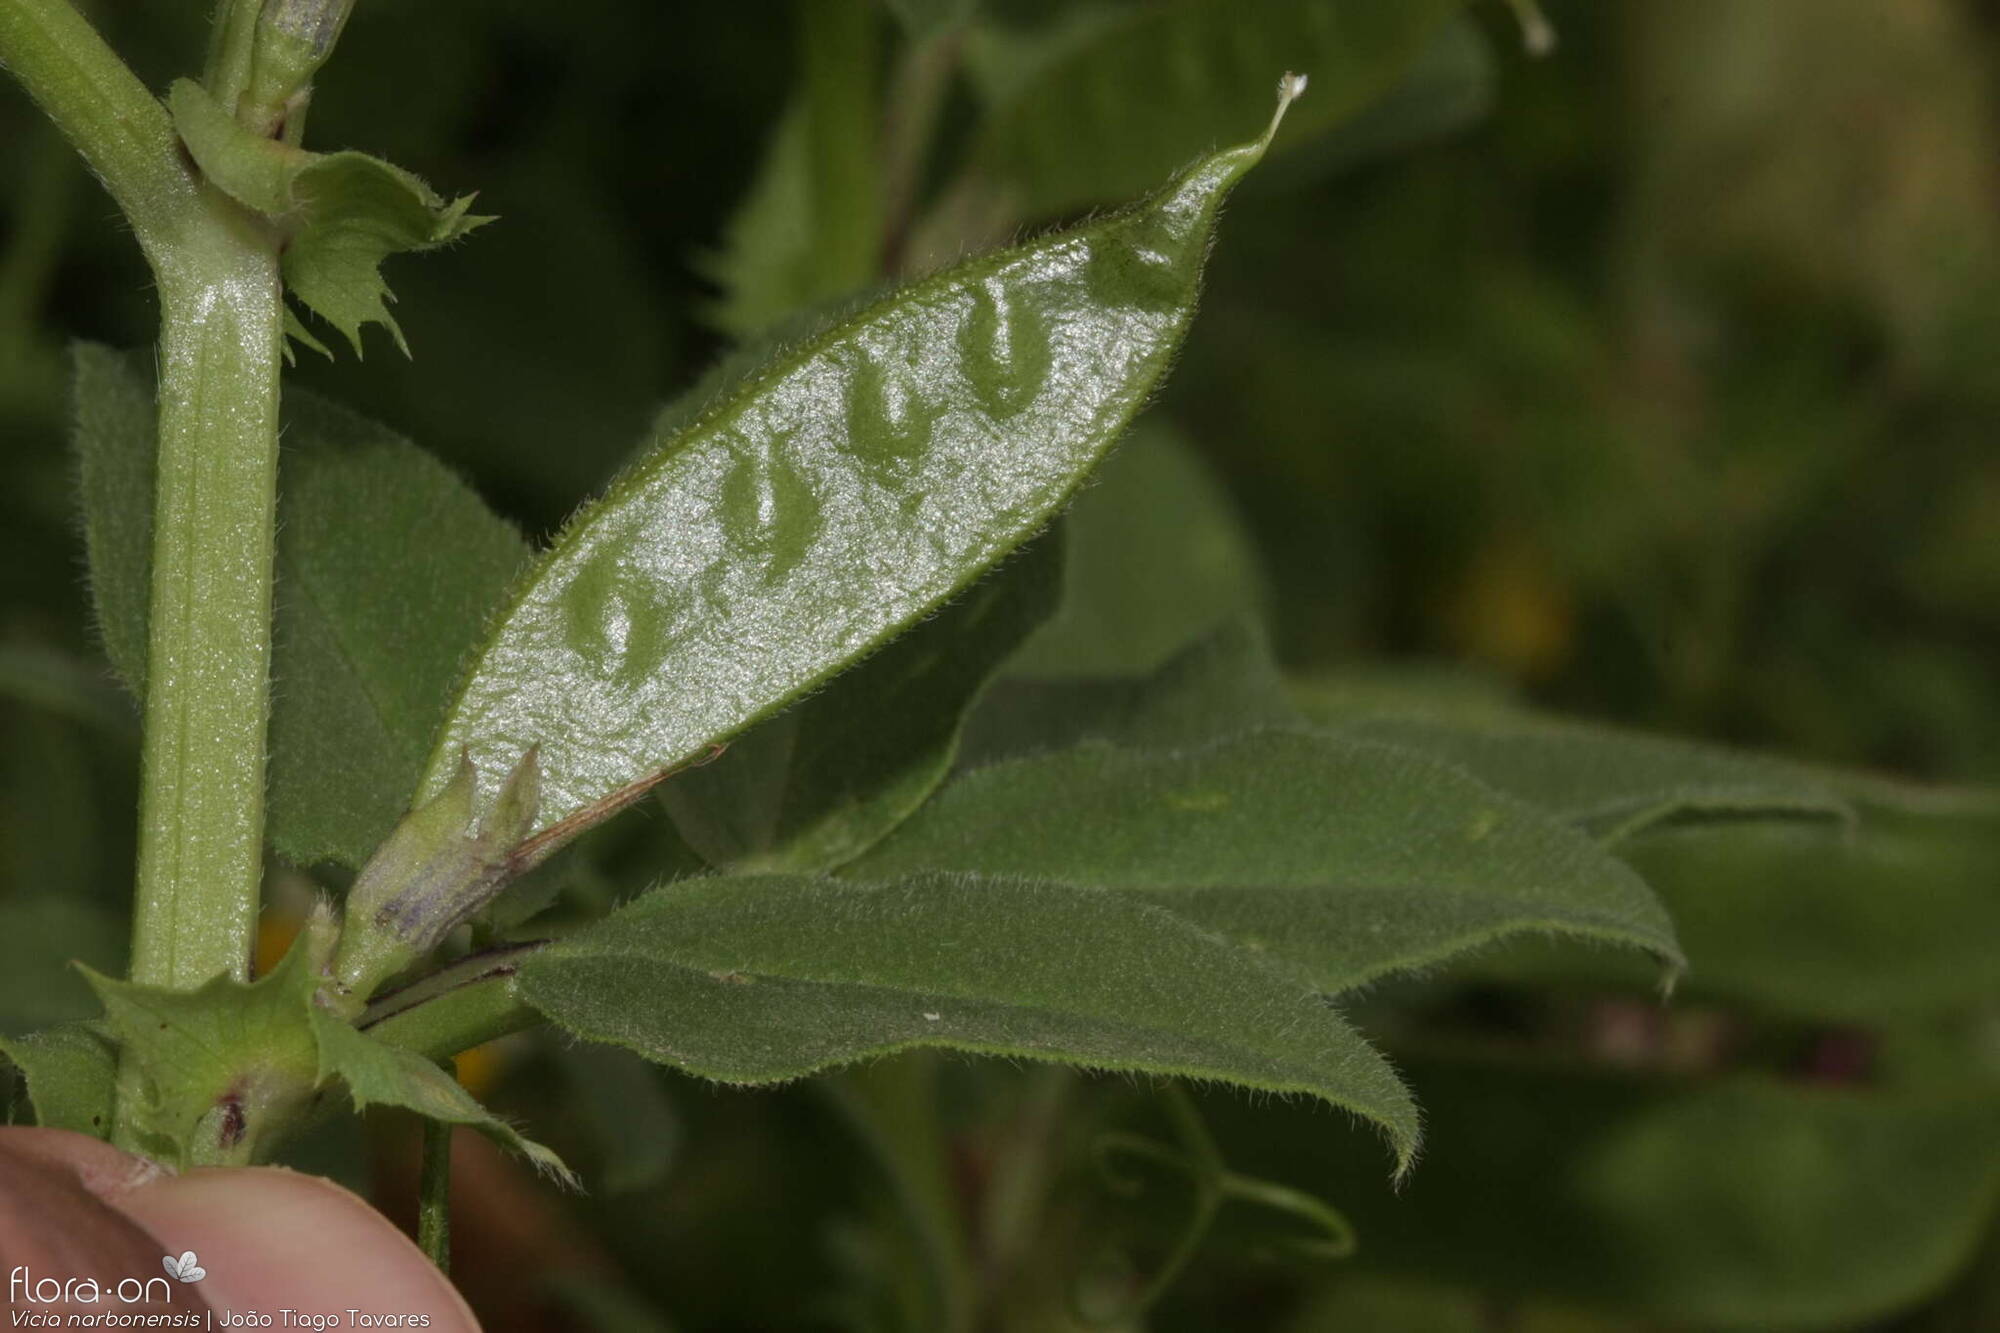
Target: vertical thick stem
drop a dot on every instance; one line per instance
(209, 656)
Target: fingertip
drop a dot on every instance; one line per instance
(271, 1239)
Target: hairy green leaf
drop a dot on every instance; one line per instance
(378, 1074)
(1121, 107)
(388, 568)
(70, 1071)
(1219, 686)
(1347, 860)
(829, 502)
(1156, 556)
(111, 433)
(755, 979)
(1612, 782)
(343, 213)
(825, 780)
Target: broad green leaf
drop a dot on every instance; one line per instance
(1121, 108)
(342, 213)
(754, 979)
(822, 782)
(70, 1071)
(831, 501)
(1156, 556)
(1433, 691)
(41, 937)
(1219, 686)
(1742, 1203)
(388, 568)
(1343, 859)
(377, 1074)
(1611, 781)
(112, 436)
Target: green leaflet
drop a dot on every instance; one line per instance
(1121, 106)
(70, 1072)
(112, 434)
(1739, 1203)
(826, 504)
(1346, 860)
(754, 980)
(344, 213)
(1156, 556)
(1614, 783)
(388, 568)
(822, 782)
(377, 1074)
(1218, 686)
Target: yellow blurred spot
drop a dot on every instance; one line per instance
(479, 1068)
(1513, 611)
(276, 930)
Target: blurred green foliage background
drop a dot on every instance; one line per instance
(1653, 381)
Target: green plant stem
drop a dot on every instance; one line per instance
(202, 793)
(434, 1192)
(202, 779)
(456, 1008)
(123, 133)
(209, 654)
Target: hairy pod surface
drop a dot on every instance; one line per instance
(832, 499)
